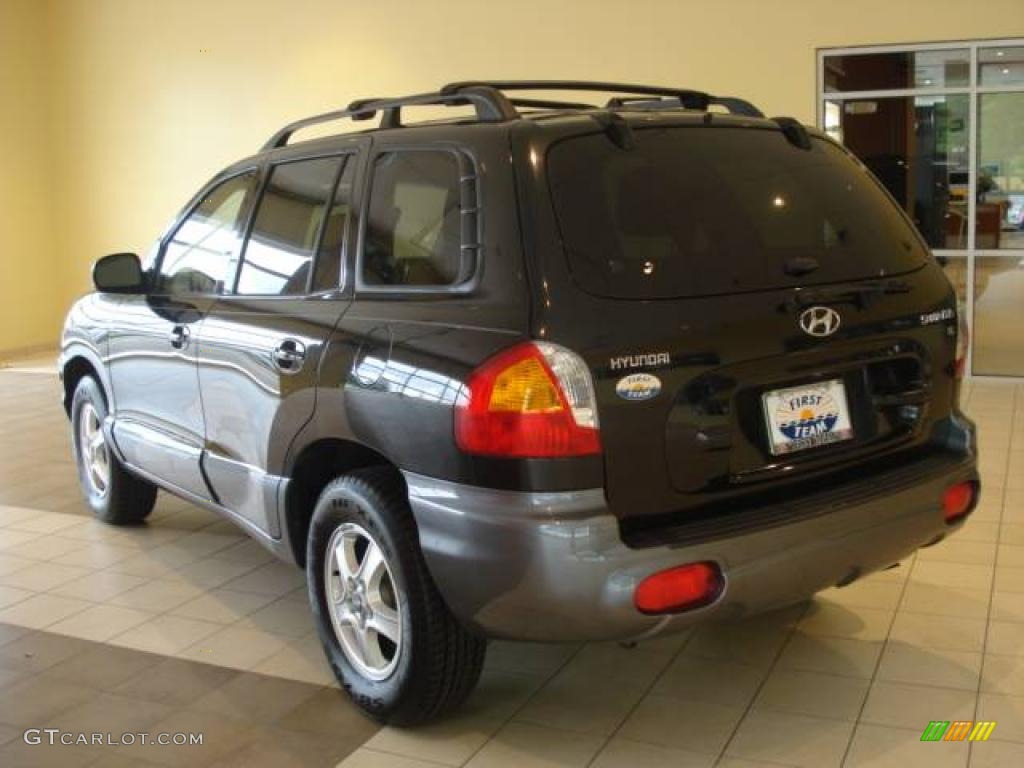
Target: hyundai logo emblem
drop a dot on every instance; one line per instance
(819, 321)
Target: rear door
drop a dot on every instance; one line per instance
(753, 312)
(261, 342)
(158, 415)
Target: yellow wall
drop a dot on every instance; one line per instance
(151, 97)
(32, 289)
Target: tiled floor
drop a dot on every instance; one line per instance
(185, 625)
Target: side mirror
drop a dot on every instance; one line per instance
(119, 273)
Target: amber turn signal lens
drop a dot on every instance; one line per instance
(532, 400)
(679, 589)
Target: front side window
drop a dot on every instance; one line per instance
(202, 253)
(413, 228)
(287, 227)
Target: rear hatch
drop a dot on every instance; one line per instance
(755, 314)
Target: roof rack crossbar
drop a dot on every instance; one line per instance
(491, 106)
(550, 104)
(642, 102)
(688, 98)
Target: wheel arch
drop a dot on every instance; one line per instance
(80, 362)
(316, 465)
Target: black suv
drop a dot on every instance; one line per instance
(546, 370)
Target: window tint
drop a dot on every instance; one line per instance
(699, 211)
(327, 274)
(413, 228)
(279, 252)
(202, 253)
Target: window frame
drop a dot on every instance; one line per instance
(470, 203)
(266, 172)
(244, 221)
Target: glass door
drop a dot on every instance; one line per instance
(942, 126)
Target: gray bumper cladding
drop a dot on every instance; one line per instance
(552, 566)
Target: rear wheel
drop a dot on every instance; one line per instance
(390, 638)
(115, 495)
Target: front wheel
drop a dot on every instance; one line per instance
(390, 638)
(115, 495)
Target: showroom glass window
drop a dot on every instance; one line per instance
(940, 126)
(288, 228)
(202, 254)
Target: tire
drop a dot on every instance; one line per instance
(115, 495)
(436, 662)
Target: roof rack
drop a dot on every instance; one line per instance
(684, 97)
(492, 105)
(688, 98)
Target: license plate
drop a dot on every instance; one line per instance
(806, 416)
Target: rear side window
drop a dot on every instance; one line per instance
(202, 253)
(699, 211)
(413, 229)
(286, 230)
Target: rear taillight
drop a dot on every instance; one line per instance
(679, 589)
(962, 340)
(958, 500)
(534, 400)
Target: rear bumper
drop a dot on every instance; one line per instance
(552, 566)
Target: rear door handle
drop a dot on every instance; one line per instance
(179, 336)
(289, 356)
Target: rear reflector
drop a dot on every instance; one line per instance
(958, 500)
(679, 589)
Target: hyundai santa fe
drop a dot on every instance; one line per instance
(539, 370)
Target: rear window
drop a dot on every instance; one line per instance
(699, 211)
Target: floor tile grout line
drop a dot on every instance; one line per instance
(878, 665)
(995, 572)
(288, 640)
(173, 657)
(760, 686)
(525, 702)
(149, 580)
(646, 692)
(151, 615)
(44, 673)
(390, 753)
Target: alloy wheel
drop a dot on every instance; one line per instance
(364, 605)
(94, 454)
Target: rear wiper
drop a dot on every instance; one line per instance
(863, 295)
